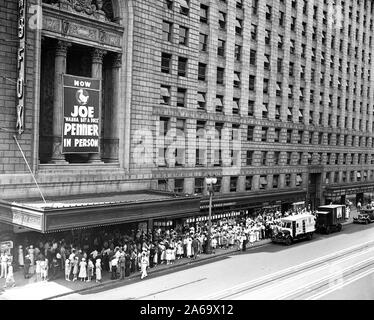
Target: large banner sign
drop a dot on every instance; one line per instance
(81, 126)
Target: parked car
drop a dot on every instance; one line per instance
(365, 215)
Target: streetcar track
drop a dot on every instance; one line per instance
(320, 283)
(166, 290)
(284, 274)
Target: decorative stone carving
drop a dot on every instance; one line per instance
(97, 56)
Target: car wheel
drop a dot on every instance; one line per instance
(366, 221)
(310, 236)
(328, 230)
(288, 241)
(339, 227)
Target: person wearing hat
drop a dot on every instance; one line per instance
(44, 269)
(144, 264)
(20, 257)
(9, 280)
(67, 269)
(82, 270)
(90, 270)
(26, 269)
(98, 270)
(122, 266)
(75, 268)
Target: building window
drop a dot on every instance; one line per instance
(199, 185)
(219, 103)
(202, 71)
(184, 7)
(166, 63)
(275, 181)
(204, 13)
(164, 126)
(222, 20)
(264, 134)
(250, 133)
(217, 186)
(287, 180)
(203, 42)
(183, 36)
(178, 185)
(168, 4)
(253, 32)
(201, 100)
(165, 95)
(181, 97)
(252, 82)
(238, 26)
(236, 106)
(238, 52)
(167, 31)
(182, 67)
(299, 180)
(233, 184)
(248, 183)
(236, 79)
(251, 106)
(252, 57)
(221, 48)
(220, 75)
(249, 158)
(263, 182)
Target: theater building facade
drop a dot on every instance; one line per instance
(120, 108)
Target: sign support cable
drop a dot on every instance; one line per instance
(28, 166)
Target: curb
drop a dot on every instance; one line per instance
(157, 271)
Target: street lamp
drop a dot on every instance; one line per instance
(210, 181)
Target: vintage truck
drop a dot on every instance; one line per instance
(293, 228)
(330, 218)
(366, 215)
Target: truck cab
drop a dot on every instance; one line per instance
(366, 215)
(295, 228)
(330, 218)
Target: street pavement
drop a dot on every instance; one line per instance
(29, 289)
(208, 281)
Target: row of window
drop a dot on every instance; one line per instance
(263, 183)
(266, 182)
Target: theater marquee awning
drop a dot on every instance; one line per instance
(95, 210)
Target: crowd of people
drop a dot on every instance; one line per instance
(121, 255)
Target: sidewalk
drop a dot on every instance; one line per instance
(30, 289)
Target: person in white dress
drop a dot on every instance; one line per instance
(189, 247)
(9, 280)
(67, 269)
(4, 265)
(38, 270)
(98, 270)
(144, 266)
(21, 260)
(179, 249)
(82, 270)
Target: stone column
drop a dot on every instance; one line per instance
(111, 142)
(97, 72)
(60, 68)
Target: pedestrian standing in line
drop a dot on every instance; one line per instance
(195, 247)
(144, 265)
(122, 266)
(114, 265)
(27, 267)
(90, 270)
(82, 270)
(4, 265)
(38, 269)
(98, 270)
(75, 268)
(244, 240)
(21, 260)
(44, 270)
(9, 280)
(67, 269)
